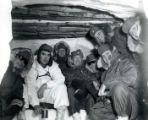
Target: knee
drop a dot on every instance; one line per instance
(120, 97)
(93, 114)
(61, 108)
(119, 90)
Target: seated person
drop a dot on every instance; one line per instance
(91, 65)
(113, 35)
(119, 83)
(79, 81)
(61, 53)
(99, 35)
(45, 83)
(11, 88)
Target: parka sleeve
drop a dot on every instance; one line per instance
(32, 92)
(56, 76)
(126, 74)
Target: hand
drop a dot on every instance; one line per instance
(102, 91)
(41, 90)
(96, 85)
(37, 109)
(17, 102)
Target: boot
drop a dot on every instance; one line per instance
(60, 113)
(76, 116)
(122, 118)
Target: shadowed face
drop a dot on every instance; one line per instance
(44, 57)
(106, 56)
(61, 52)
(18, 64)
(93, 66)
(105, 60)
(77, 60)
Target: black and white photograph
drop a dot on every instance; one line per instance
(76, 60)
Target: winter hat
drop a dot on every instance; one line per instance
(77, 52)
(45, 47)
(134, 41)
(24, 55)
(93, 30)
(128, 24)
(91, 58)
(63, 45)
(103, 48)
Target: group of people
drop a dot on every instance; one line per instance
(105, 84)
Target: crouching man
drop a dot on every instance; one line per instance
(11, 88)
(45, 83)
(119, 83)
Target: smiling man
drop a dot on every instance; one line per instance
(45, 83)
(98, 34)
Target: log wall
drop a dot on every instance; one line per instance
(71, 22)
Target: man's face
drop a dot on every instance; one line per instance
(99, 36)
(77, 60)
(18, 64)
(44, 57)
(61, 52)
(105, 60)
(93, 66)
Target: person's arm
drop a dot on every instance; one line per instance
(32, 92)
(56, 76)
(128, 75)
(91, 78)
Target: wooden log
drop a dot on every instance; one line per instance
(26, 27)
(59, 8)
(54, 12)
(36, 28)
(25, 33)
(20, 10)
(72, 29)
(47, 35)
(54, 17)
(38, 13)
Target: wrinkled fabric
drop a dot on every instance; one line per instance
(122, 70)
(82, 80)
(121, 79)
(56, 92)
(125, 101)
(119, 40)
(102, 111)
(11, 89)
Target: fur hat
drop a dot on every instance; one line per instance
(93, 30)
(77, 52)
(133, 28)
(128, 24)
(25, 55)
(91, 58)
(63, 45)
(104, 48)
(45, 47)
